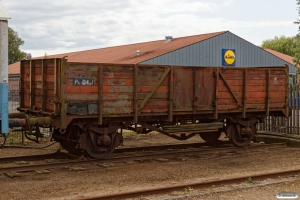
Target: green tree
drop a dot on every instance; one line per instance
(286, 45)
(297, 48)
(298, 21)
(14, 43)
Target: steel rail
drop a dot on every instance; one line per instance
(60, 155)
(56, 155)
(126, 158)
(207, 183)
(170, 146)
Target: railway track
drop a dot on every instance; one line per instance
(201, 184)
(56, 155)
(194, 152)
(171, 146)
(61, 155)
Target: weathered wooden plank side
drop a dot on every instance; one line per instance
(25, 84)
(250, 100)
(230, 89)
(153, 89)
(255, 82)
(82, 82)
(49, 85)
(39, 77)
(260, 88)
(49, 107)
(253, 94)
(26, 104)
(183, 89)
(44, 85)
(204, 84)
(256, 94)
(82, 97)
(256, 107)
(193, 89)
(117, 74)
(113, 89)
(117, 89)
(129, 110)
(124, 81)
(38, 104)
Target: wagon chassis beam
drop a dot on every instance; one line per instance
(183, 135)
(244, 123)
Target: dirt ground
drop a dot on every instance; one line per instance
(95, 180)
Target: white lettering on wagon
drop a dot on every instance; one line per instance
(83, 81)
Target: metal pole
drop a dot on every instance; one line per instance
(4, 16)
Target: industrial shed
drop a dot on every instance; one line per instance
(198, 50)
(294, 78)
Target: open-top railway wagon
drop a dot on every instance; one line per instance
(87, 105)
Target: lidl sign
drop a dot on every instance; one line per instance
(228, 57)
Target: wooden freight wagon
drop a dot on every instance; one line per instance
(88, 105)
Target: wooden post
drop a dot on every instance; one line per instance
(55, 92)
(294, 109)
(44, 76)
(194, 90)
(63, 92)
(32, 78)
(135, 93)
(297, 109)
(216, 93)
(268, 93)
(290, 127)
(100, 95)
(244, 94)
(171, 84)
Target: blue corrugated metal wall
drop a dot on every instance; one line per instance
(209, 53)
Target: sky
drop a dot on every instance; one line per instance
(61, 26)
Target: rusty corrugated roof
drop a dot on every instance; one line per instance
(126, 54)
(282, 56)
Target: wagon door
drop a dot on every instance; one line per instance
(194, 89)
(183, 89)
(204, 87)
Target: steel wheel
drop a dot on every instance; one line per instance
(100, 151)
(70, 139)
(235, 136)
(211, 137)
